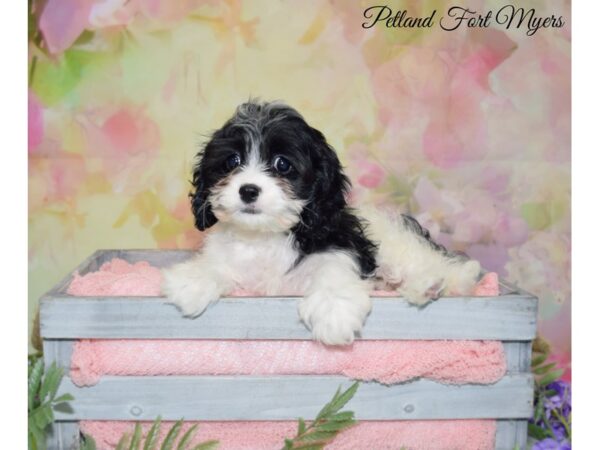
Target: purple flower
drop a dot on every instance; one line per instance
(556, 398)
(551, 444)
(561, 401)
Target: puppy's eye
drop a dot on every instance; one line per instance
(232, 161)
(282, 165)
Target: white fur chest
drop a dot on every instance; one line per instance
(256, 262)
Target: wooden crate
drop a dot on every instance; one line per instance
(510, 318)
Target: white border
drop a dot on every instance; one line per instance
(586, 307)
(13, 192)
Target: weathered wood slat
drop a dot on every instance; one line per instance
(289, 397)
(505, 318)
(63, 436)
(511, 434)
(518, 356)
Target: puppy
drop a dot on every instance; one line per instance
(274, 193)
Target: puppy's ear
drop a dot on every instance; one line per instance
(201, 208)
(330, 187)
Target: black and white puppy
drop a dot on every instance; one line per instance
(274, 193)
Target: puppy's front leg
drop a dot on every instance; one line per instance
(193, 284)
(336, 300)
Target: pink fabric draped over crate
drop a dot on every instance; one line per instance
(456, 362)
(372, 435)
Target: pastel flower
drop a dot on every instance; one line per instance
(129, 132)
(108, 13)
(35, 122)
(371, 175)
(62, 21)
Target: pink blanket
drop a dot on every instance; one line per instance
(388, 362)
(372, 435)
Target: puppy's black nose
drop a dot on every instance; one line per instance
(249, 193)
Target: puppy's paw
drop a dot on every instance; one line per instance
(422, 294)
(462, 278)
(334, 321)
(191, 294)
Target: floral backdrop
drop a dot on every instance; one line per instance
(468, 130)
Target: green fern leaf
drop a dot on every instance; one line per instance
(35, 379)
(316, 436)
(326, 410)
(152, 435)
(301, 426)
(208, 445)
(43, 416)
(123, 442)
(172, 436)
(310, 447)
(544, 369)
(335, 425)
(342, 416)
(550, 377)
(187, 437)
(339, 402)
(63, 398)
(88, 443)
(50, 383)
(37, 437)
(137, 437)
(537, 360)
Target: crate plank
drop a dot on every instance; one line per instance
(63, 436)
(505, 318)
(289, 397)
(511, 434)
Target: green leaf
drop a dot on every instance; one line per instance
(63, 399)
(550, 377)
(301, 426)
(123, 442)
(342, 416)
(88, 443)
(316, 436)
(137, 437)
(537, 432)
(539, 410)
(43, 416)
(51, 382)
(208, 445)
(187, 437)
(537, 360)
(335, 425)
(326, 410)
(310, 447)
(344, 398)
(152, 436)
(172, 436)
(544, 369)
(37, 437)
(35, 378)
(328, 423)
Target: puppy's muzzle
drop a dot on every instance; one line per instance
(249, 193)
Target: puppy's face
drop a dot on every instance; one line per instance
(263, 170)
